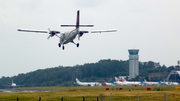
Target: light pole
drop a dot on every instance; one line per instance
(159, 74)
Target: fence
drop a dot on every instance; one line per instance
(102, 97)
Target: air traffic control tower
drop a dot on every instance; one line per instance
(133, 63)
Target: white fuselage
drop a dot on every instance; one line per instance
(130, 83)
(151, 83)
(109, 84)
(127, 83)
(89, 84)
(69, 36)
(171, 83)
(119, 83)
(13, 85)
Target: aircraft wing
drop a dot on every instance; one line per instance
(102, 31)
(19, 85)
(36, 31)
(99, 31)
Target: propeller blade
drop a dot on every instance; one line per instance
(49, 36)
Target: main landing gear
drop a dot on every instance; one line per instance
(76, 44)
(64, 47)
(60, 46)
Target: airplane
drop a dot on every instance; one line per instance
(174, 83)
(161, 83)
(107, 84)
(87, 83)
(69, 36)
(168, 83)
(128, 83)
(117, 82)
(150, 83)
(142, 82)
(13, 85)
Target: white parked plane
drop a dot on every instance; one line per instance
(13, 85)
(128, 83)
(117, 82)
(168, 83)
(151, 83)
(87, 83)
(67, 37)
(107, 84)
(148, 83)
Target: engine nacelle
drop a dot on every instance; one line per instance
(80, 34)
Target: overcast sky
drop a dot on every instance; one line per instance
(152, 26)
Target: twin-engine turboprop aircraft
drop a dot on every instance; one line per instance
(67, 37)
(13, 85)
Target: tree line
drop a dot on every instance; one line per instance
(64, 76)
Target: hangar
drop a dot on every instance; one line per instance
(173, 73)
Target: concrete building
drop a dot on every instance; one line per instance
(133, 63)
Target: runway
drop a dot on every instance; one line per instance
(26, 90)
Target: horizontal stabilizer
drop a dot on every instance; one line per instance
(75, 25)
(101, 31)
(27, 30)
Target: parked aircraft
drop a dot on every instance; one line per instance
(174, 83)
(87, 83)
(67, 37)
(117, 82)
(149, 83)
(128, 83)
(168, 83)
(13, 85)
(107, 84)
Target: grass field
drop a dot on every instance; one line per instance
(128, 93)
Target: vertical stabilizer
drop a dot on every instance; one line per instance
(76, 80)
(77, 20)
(159, 82)
(116, 79)
(112, 82)
(104, 82)
(123, 80)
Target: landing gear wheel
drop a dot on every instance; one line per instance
(59, 45)
(77, 44)
(63, 47)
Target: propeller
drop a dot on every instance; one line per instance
(52, 33)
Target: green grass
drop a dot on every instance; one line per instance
(129, 93)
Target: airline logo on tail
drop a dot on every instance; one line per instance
(112, 82)
(123, 80)
(159, 81)
(142, 82)
(116, 79)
